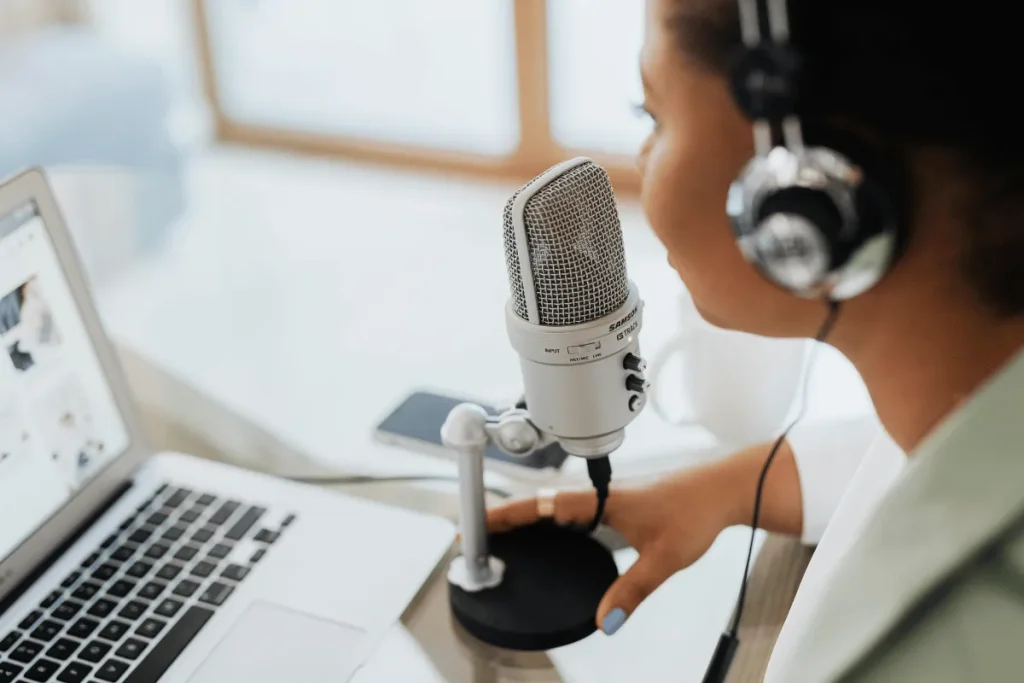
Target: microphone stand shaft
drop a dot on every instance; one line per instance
(474, 514)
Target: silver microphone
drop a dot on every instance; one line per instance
(574, 317)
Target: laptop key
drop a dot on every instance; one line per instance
(168, 607)
(174, 533)
(185, 553)
(86, 591)
(83, 628)
(67, 610)
(257, 556)
(235, 572)
(30, 620)
(62, 649)
(133, 610)
(140, 535)
(189, 516)
(168, 648)
(186, 588)
(104, 572)
(177, 498)
(25, 652)
(110, 540)
(42, 670)
(203, 535)
(224, 512)
(90, 561)
(152, 590)
(47, 630)
(131, 648)
(157, 518)
(242, 526)
(75, 672)
(112, 670)
(94, 651)
(114, 631)
(206, 499)
(139, 569)
(168, 571)
(217, 593)
(8, 641)
(70, 580)
(102, 608)
(51, 600)
(203, 569)
(124, 552)
(8, 671)
(220, 551)
(150, 628)
(157, 550)
(121, 588)
(266, 536)
(287, 521)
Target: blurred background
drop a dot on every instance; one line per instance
(125, 101)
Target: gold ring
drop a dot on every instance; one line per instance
(546, 503)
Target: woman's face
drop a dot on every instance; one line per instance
(700, 143)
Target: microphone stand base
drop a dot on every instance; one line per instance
(553, 581)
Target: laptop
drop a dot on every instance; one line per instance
(118, 564)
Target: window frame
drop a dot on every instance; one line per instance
(537, 149)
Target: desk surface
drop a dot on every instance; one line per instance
(308, 298)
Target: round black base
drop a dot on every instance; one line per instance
(554, 580)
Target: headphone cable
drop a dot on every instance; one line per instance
(729, 640)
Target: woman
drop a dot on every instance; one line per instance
(920, 571)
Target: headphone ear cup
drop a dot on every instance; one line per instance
(813, 205)
(814, 222)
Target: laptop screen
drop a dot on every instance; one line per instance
(59, 423)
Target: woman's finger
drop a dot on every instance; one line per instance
(570, 507)
(629, 590)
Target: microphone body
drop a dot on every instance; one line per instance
(574, 317)
(576, 381)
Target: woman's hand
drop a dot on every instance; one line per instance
(672, 522)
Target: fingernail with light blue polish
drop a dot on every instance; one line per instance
(613, 621)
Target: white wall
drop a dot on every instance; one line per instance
(164, 31)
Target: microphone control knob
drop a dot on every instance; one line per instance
(636, 402)
(637, 384)
(634, 363)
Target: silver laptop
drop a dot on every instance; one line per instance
(119, 564)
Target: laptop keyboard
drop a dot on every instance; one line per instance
(136, 602)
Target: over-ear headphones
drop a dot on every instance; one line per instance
(822, 222)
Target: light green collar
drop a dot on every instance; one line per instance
(964, 485)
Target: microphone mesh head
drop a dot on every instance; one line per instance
(575, 249)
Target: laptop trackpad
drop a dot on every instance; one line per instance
(270, 643)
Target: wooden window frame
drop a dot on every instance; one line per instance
(537, 149)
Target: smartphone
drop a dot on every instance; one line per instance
(416, 424)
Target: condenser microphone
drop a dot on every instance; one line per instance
(573, 315)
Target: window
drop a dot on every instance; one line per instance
(594, 48)
(392, 71)
(503, 87)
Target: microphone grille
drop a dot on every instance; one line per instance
(575, 247)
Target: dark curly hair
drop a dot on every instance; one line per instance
(914, 76)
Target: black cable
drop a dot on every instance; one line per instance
(729, 641)
(600, 471)
(370, 479)
(823, 332)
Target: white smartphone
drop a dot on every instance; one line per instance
(416, 425)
